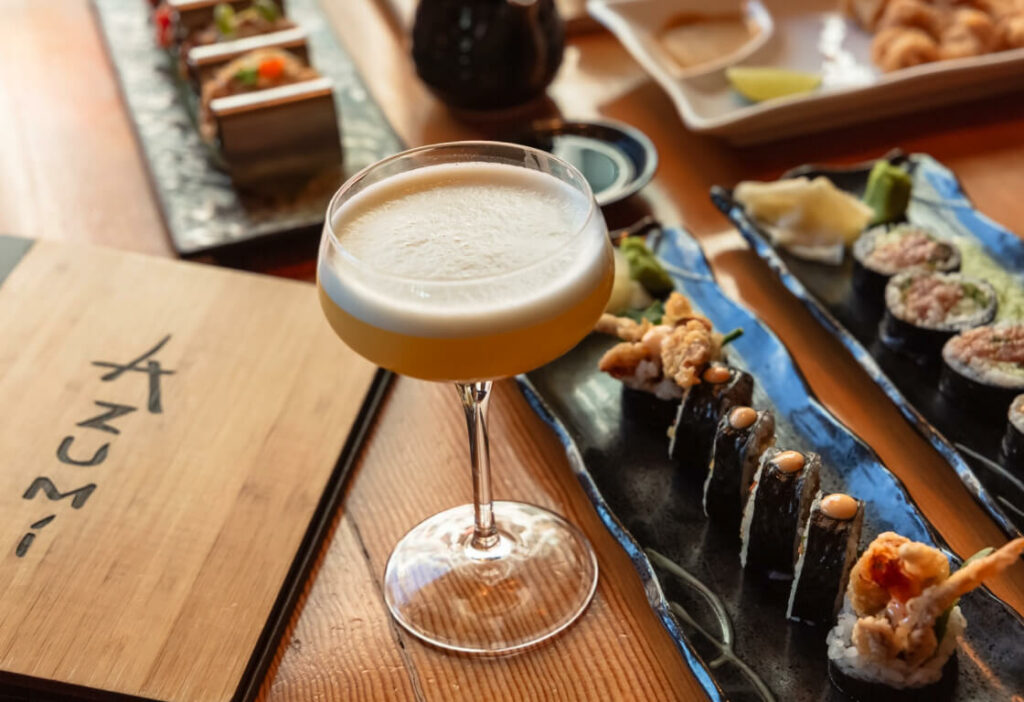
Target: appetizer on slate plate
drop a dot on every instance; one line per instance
(258, 70)
(896, 637)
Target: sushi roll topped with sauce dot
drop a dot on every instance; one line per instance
(882, 252)
(923, 309)
(897, 634)
(983, 368)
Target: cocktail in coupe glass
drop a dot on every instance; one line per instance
(468, 262)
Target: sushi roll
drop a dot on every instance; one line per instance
(827, 550)
(924, 309)
(983, 368)
(743, 434)
(785, 485)
(693, 431)
(882, 252)
(1013, 441)
(896, 637)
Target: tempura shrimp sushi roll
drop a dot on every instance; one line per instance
(924, 309)
(743, 434)
(896, 638)
(881, 252)
(780, 500)
(692, 434)
(983, 368)
(1013, 441)
(827, 551)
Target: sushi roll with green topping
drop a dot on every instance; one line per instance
(785, 484)
(828, 548)
(896, 638)
(743, 434)
(1013, 441)
(881, 252)
(983, 368)
(693, 432)
(924, 309)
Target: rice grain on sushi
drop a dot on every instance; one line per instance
(742, 436)
(983, 368)
(828, 548)
(896, 638)
(881, 252)
(924, 309)
(780, 500)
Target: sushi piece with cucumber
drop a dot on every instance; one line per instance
(923, 309)
(828, 548)
(1013, 440)
(692, 434)
(983, 368)
(780, 500)
(882, 251)
(896, 638)
(742, 436)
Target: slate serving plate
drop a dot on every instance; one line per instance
(730, 627)
(204, 212)
(968, 441)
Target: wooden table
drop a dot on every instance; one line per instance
(70, 169)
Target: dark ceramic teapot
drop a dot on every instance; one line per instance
(487, 54)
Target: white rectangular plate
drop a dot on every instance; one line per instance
(808, 35)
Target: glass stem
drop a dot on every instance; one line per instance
(475, 398)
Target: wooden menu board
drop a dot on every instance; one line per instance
(170, 460)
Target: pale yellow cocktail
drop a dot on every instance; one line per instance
(465, 272)
(468, 262)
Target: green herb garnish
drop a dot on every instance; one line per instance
(644, 267)
(942, 621)
(732, 336)
(248, 77)
(653, 313)
(267, 9)
(224, 18)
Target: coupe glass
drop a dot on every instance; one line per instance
(489, 577)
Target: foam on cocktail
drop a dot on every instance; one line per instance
(463, 250)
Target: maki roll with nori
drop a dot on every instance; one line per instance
(692, 434)
(827, 550)
(785, 485)
(882, 252)
(1013, 441)
(742, 436)
(983, 368)
(896, 637)
(924, 309)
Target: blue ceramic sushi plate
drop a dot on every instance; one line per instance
(731, 628)
(968, 440)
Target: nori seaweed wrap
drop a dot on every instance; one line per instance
(784, 488)
(742, 436)
(983, 368)
(868, 691)
(924, 309)
(827, 549)
(692, 434)
(1013, 441)
(881, 252)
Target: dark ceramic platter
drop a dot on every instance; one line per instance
(967, 440)
(731, 627)
(204, 212)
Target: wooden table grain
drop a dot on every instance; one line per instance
(70, 169)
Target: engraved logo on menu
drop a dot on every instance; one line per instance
(67, 454)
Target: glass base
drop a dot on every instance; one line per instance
(533, 584)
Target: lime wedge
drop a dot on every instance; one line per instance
(759, 83)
